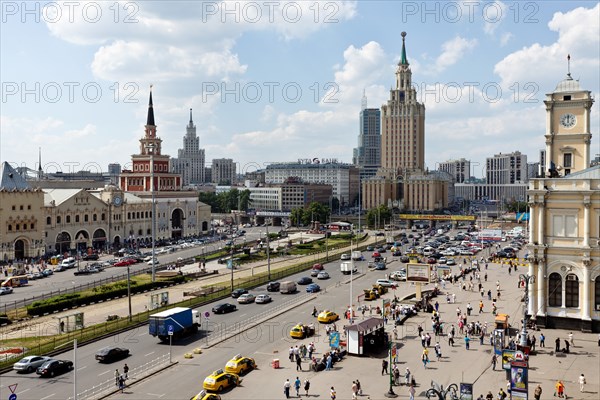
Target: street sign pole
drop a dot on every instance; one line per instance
(170, 329)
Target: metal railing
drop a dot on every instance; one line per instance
(141, 371)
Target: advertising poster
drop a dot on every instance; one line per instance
(518, 376)
(498, 341)
(418, 273)
(444, 272)
(508, 356)
(466, 391)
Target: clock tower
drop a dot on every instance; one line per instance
(568, 135)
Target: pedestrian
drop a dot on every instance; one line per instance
(126, 371)
(286, 388)
(489, 396)
(481, 304)
(582, 382)
(467, 340)
(358, 388)
(425, 359)
(121, 383)
(438, 351)
(571, 338)
(306, 386)
(117, 375)
(560, 389)
(567, 345)
(428, 339)
(542, 340)
(396, 376)
(450, 339)
(453, 298)
(332, 393)
(437, 306)
(384, 367)
(494, 361)
(537, 394)
(291, 355)
(298, 363)
(328, 363)
(502, 394)
(489, 294)
(297, 386)
(411, 392)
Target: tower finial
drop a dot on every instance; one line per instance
(363, 102)
(190, 116)
(403, 60)
(568, 65)
(40, 159)
(150, 119)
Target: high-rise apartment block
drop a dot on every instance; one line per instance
(223, 171)
(190, 159)
(460, 170)
(506, 168)
(367, 156)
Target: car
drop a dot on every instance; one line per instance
(376, 254)
(111, 353)
(442, 260)
(404, 259)
(380, 234)
(30, 363)
(83, 271)
(6, 290)
(397, 253)
(155, 262)
(385, 283)
(90, 257)
(323, 275)
(224, 308)
(48, 272)
(220, 380)
(52, 368)
(246, 298)
(313, 288)
(450, 261)
(38, 275)
(318, 266)
(370, 248)
(238, 292)
(380, 266)
(305, 280)
(301, 331)
(345, 257)
(314, 272)
(122, 263)
(262, 299)
(273, 287)
(398, 275)
(203, 395)
(381, 250)
(327, 317)
(240, 365)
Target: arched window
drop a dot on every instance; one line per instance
(555, 290)
(68, 219)
(597, 293)
(58, 219)
(77, 218)
(48, 220)
(572, 291)
(95, 217)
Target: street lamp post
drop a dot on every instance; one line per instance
(231, 261)
(390, 392)
(268, 253)
(129, 290)
(150, 147)
(527, 279)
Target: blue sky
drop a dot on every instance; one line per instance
(75, 79)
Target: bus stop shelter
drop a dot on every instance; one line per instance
(367, 336)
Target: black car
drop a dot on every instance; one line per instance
(273, 287)
(54, 367)
(223, 308)
(110, 354)
(238, 292)
(305, 280)
(91, 257)
(397, 253)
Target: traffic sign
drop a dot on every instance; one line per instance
(12, 396)
(519, 356)
(206, 314)
(170, 329)
(13, 387)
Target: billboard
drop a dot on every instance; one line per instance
(425, 217)
(508, 356)
(444, 271)
(490, 235)
(418, 273)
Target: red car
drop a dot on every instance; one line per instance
(318, 266)
(123, 263)
(376, 254)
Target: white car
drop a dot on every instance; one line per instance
(385, 282)
(398, 275)
(6, 290)
(345, 257)
(323, 275)
(30, 363)
(156, 262)
(246, 298)
(262, 299)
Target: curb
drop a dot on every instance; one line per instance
(140, 380)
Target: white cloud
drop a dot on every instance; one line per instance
(505, 38)
(493, 15)
(452, 51)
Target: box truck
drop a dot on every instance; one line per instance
(287, 287)
(347, 268)
(181, 321)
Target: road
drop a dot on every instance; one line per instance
(145, 348)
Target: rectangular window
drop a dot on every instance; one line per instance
(564, 225)
(568, 160)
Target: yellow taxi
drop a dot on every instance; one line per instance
(206, 396)
(327, 317)
(240, 365)
(220, 380)
(301, 331)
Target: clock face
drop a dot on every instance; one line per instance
(117, 200)
(568, 120)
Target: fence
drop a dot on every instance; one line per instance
(136, 373)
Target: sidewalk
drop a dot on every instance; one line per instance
(97, 313)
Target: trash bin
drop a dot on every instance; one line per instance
(275, 363)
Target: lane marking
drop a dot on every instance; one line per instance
(146, 355)
(47, 397)
(142, 334)
(84, 367)
(23, 391)
(243, 315)
(105, 372)
(155, 395)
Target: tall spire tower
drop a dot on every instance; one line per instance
(40, 172)
(363, 101)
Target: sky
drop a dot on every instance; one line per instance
(277, 81)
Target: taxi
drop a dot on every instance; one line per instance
(220, 380)
(240, 365)
(206, 396)
(301, 331)
(327, 317)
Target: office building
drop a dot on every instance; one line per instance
(459, 170)
(367, 156)
(505, 169)
(223, 171)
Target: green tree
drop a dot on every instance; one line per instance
(376, 217)
(297, 216)
(244, 200)
(212, 199)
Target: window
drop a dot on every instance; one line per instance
(555, 290)
(103, 217)
(572, 291)
(13, 208)
(77, 218)
(32, 226)
(58, 219)
(597, 294)
(29, 206)
(85, 218)
(95, 217)
(567, 160)
(564, 225)
(21, 207)
(17, 227)
(9, 227)
(48, 220)
(68, 219)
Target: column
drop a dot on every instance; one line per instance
(585, 310)
(541, 225)
(531, 228)
(531, 292)
(540, 284)
(586, 221)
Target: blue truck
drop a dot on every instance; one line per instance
(182, 320)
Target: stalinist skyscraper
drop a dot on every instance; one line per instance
(190, 161)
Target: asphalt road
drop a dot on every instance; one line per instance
(144, 347)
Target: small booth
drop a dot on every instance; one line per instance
(367, 336)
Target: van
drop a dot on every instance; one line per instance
(348, 268)
(287, 287)
(68, 262)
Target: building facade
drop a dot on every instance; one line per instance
(367, 156)
(427, 192)
(300, 195)
(21, 217)
(459, 170)
(223, 171)
(190, 161)
(505, 169)
(484, 191)
(564, 244)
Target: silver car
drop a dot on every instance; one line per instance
(30, 363)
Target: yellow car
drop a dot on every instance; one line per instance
(327, 317)
(240, 365)
(220, 380)
(206, 396)
(302, 331)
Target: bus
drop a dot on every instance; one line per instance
(15, 281)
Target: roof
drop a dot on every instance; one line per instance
(59, 196)
(588, 173)
(568, 85)
(11, 180)
(367, 326)
(169, 312)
